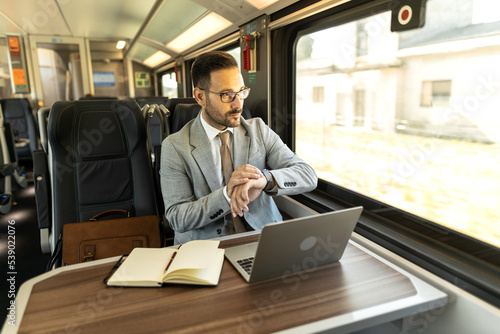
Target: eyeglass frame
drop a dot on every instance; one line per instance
(235, 94)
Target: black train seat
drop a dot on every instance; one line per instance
(173, 102)
(9, 169)
(19, 114)
(96, 160)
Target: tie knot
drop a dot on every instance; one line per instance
(223, 136)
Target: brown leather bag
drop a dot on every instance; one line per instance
(94, 240)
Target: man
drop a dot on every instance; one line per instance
(199, 203)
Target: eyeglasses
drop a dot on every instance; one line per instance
(229, 97)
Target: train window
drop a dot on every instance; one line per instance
(5, 85)
(169, 85)
(409, 119)
(436, 93)
(236, 52)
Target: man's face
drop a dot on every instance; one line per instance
(218, 114)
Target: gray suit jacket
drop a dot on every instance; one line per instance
(195, 205)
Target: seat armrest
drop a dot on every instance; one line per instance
(42, 196)
(45, 240)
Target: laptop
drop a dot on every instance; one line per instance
(295, 245)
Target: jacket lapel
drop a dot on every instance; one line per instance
(241, 146)
(202, 154)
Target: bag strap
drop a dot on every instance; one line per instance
(56, 254)
(110, 213)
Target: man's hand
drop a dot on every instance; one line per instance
(242, 175)
(245, 193)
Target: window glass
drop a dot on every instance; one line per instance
(236, 53)
(169, 85)
(409, 119)
(436, 93)
(5, 84)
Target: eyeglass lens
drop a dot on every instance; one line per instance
(229, 97)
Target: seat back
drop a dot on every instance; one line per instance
(183, 113)
(173, 102)
(98, 160)
(19, 114)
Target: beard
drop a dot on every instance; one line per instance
(217, 119)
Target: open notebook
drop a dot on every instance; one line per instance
(195, 262)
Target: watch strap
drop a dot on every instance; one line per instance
(269, 179)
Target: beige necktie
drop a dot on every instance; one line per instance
(227, 170)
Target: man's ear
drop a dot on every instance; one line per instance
(199, 95)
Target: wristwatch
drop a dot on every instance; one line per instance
(269, 179)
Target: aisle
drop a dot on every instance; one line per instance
(29, 259)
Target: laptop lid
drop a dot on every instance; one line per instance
(296, 245)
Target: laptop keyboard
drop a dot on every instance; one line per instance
(246, 264)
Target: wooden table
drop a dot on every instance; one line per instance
(358, 292)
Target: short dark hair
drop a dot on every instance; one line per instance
(210, 62)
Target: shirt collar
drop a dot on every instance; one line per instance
(210, 130)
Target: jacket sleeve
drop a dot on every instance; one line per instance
(292, 174)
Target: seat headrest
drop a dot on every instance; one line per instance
(184, 112)
(171, 103)
(15, 108)
(95, 128)
(99, 134)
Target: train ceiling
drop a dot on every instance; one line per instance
(148, 26)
